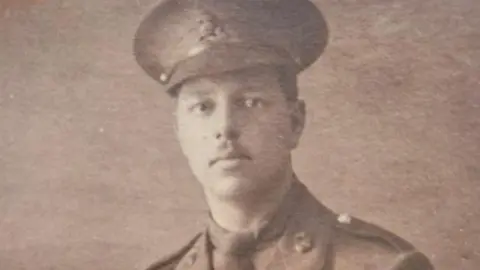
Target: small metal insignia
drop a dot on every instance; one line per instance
(303, 243)
(344, 218)
(163, 77)
(210, 32)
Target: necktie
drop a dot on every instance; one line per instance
(232, 261)
(232, 251)
(235, 251)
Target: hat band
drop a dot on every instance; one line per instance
(221, 58)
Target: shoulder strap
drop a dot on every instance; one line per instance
(362, 229)
(413, 261)
(170, 261)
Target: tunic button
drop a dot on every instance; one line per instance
(344, 218)
(163, 77)
(303, 243)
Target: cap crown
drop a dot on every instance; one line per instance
(182, 38)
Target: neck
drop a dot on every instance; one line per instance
(250, 212)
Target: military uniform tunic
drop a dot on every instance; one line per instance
(303, 235)
(183, 39)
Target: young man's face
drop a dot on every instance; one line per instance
(237, 130)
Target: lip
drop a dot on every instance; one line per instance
(231, 156)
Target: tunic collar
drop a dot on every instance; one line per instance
(245, 243)
(299, 236)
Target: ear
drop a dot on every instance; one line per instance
(175, 122)
(298, 116)
(175, 127)
(174, 105)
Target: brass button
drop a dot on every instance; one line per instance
(163, 77)
(303, 243)
(344, 218)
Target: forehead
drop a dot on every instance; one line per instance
(258, 80)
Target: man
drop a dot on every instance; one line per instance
(231, 66)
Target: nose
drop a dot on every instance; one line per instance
(226, 122)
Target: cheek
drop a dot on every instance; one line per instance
(270, 131)
(191, 138)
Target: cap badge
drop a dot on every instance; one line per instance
(210, 31)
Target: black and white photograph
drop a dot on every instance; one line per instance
(239, 135)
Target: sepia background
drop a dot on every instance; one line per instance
(91, 176)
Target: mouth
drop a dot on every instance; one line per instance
(231, 157)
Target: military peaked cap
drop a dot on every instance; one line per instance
(180, 39)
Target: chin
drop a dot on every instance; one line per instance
(231, 187)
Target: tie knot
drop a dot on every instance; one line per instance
(244, 243)
(235, 244)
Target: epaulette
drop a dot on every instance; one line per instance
(170, 261)
(412, 261)
(408, 257)
(368, 231)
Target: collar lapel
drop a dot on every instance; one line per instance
(198, 257)
(305, 243)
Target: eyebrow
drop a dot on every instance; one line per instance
(256, 93)
(194, 97)
(195, 91)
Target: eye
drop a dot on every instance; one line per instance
(253, 102)
(202, 107)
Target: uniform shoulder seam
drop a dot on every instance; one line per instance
(413, 260)
(369, 231)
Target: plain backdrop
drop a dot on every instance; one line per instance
(91, 176)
